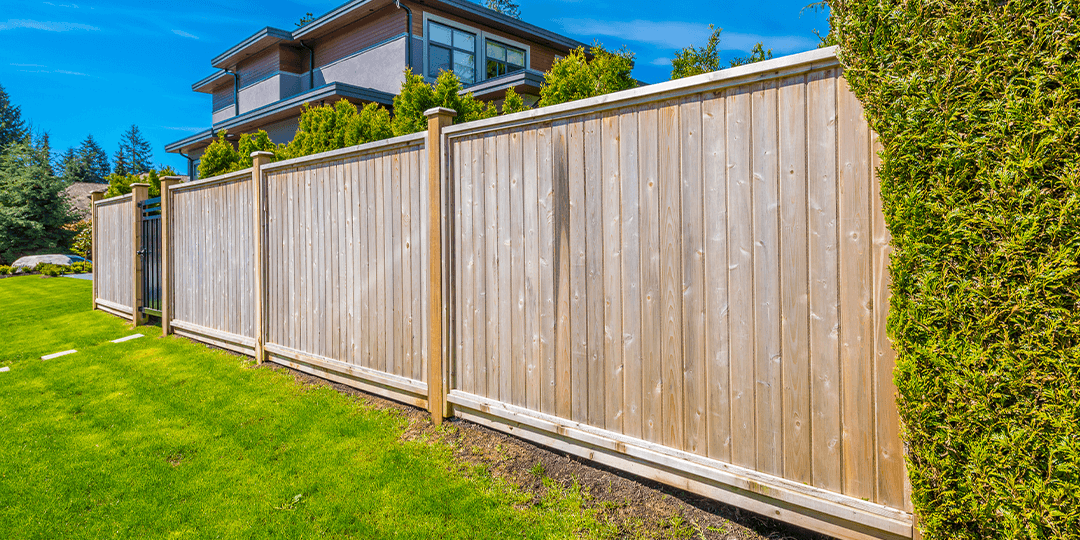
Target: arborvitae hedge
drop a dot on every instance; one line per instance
(977, 103)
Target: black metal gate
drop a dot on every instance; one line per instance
(150, 254)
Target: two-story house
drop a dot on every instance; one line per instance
(359, 52)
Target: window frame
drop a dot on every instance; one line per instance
(503, 44)
(479, 55)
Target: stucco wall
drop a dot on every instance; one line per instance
(380, 68)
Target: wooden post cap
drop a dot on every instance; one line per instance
(172, 178)
(262, 153)
(440, 111)
(97, 195)
(140, 185)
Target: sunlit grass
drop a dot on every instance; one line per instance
(161, 437)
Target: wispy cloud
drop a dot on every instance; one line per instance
(182, 33)
(26, 65)
(184, 129)
(48, 26)
(677, 34)
(74, 6)
(662, 61)
(54, 71)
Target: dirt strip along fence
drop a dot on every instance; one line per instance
(112, 251)
(686, 281)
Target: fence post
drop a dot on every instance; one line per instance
(258, 234)
(438, 119)
(166, 254)
(94, 198)
(139, 193)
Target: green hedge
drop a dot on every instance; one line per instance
(977, 104)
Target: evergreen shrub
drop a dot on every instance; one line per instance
(977, 105)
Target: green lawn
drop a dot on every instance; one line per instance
(161, 437)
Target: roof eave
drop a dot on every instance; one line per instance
(275, 35)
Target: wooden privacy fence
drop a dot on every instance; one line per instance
(346, 243)
(112, 250)
(686, 281)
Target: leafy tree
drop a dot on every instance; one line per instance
(757, 54)
(829, 39)
(575, 77)
(120, 184)
(32, 208)
(12, 128)
(513, 103)
(133, 155)
(694, 61)
(417, 96)
(506, 7)
(82, 244)
(328, 128)
(87, 163)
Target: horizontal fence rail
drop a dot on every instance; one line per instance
(347, 251)
(113, 271)
(686, 281)
(212, 263)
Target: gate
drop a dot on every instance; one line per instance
(150, 256)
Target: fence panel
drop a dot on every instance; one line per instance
(113, 270)
(347, 285)
(696, 288)
(213, 266)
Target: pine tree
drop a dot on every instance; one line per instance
(31, 218)
(12, 127)
(96, 160)
(43, 151)
(506, 7)
(87, 163)
(133, 155)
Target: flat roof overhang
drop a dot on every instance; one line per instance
(209, 84)
(255, 43)
(526, 81)
(281, 110)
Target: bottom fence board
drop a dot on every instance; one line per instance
(113, 308)
(385, 385)
(804, 506)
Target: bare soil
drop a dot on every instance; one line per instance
(632, 506)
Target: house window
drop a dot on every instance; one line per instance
(450, 49)
(503, 59)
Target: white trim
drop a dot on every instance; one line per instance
(778, 496)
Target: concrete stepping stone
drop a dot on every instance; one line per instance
(57, 355)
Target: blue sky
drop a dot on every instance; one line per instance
(98, 67)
